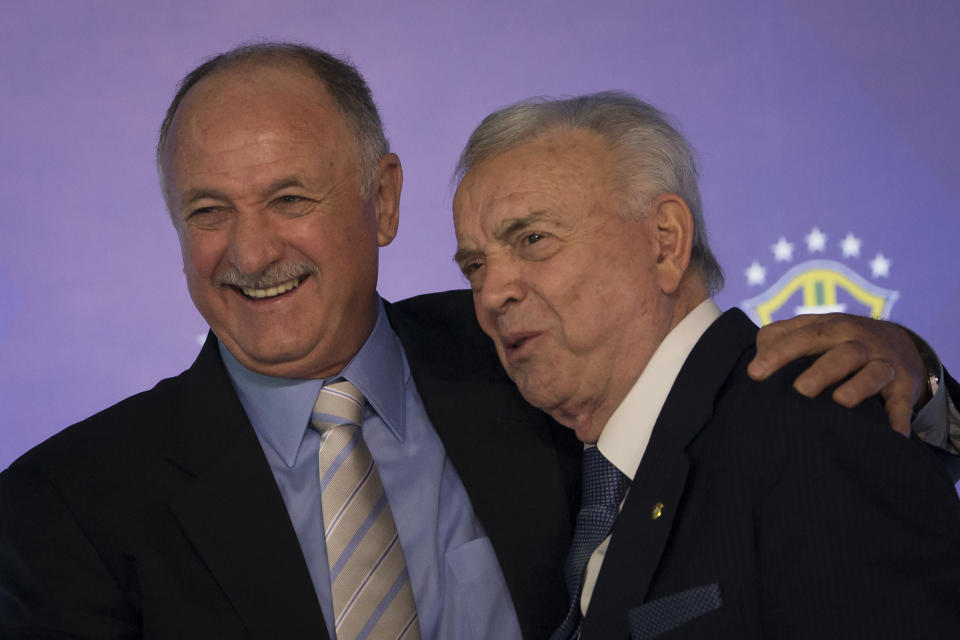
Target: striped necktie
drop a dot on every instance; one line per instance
(372, 596)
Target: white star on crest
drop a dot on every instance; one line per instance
(816, 240)
(880, 266)
(851, 246)
(783, 250)
(756, 274)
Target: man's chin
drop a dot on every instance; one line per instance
(271, 358)
(559, 403)
(535, 394)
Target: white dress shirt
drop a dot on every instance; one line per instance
(624, 438)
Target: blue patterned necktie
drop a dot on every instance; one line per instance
(601, 493)
(372, 596)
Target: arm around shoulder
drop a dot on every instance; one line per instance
(857, 533)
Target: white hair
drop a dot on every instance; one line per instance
(654, 156)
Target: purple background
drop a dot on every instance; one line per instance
(805, 114)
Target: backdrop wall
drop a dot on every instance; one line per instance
(813, 114)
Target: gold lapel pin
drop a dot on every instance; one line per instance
(657, 511)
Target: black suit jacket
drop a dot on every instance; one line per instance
(781, 516)
(160, 516)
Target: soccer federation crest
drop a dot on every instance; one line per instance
(819, 285)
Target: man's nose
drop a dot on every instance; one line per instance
(502, 284)
(255, 242)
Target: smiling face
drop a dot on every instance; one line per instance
(262, 177)
(568, 289)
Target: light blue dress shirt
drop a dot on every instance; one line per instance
(459, 589)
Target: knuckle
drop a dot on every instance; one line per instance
(859, 349)
(764, 334)
(887, 368)
(882, 372)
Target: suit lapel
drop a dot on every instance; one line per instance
(642, 529)
(233, 512)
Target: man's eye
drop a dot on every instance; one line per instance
(211, 217)
(537, 246)
(205, 214)
(532, 238)
(469, 268)
(292, 205)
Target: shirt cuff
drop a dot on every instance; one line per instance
(932, 423)
(953, 443)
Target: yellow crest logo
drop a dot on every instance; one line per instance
(819, 285)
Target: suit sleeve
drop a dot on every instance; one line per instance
(858, 532)
(53, 583)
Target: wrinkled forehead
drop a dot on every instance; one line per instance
(249, 127)
(565, 166)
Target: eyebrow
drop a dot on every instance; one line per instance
(199, 194)
(506, 228)
(463, 254)
(512, 225)
(283, 183)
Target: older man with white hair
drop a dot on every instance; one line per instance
(713, 505)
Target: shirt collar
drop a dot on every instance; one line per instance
(379, 370)
(279, 408)
(625, 436)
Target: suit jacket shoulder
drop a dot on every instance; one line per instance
(165, 498)
(758, 513)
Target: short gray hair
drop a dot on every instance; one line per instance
(346, 86)
(654, 155)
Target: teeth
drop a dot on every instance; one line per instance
(272, 291)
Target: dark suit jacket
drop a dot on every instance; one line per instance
(160, 516)
(781, 516)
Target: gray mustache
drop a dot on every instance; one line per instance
(269, 277)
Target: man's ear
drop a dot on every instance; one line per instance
(674, 227)
(386, 198)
